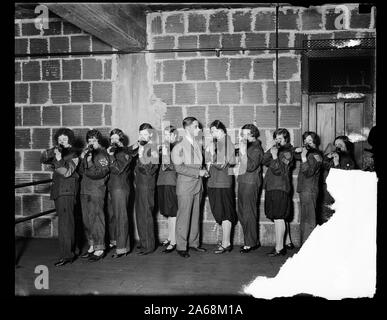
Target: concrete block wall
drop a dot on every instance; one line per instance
(51, 92)
(236, 88)
(239, 87)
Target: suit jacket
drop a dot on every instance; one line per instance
(188, 161)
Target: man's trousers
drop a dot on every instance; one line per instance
(187, 221)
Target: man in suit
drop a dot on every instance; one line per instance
(188, 160)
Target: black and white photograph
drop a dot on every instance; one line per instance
(196, 149)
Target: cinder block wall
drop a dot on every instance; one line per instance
(236, 88)
(239, 88)
(50, 92)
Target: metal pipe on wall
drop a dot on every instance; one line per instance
(23, 55)
(216, 50)
(276, 68)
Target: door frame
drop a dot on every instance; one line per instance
(306, 121)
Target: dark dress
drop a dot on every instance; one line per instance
(220, 183)
(277, 183)
(166, 185)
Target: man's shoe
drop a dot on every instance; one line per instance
(183, 253)
(95, 258)
(87, 255)
(275, 253)
(62, 262)
(289, 246)
(199, 249)
(172, 248)
(247, 250)
(222, 249)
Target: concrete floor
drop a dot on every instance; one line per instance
(154, 274)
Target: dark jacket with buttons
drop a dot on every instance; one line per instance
(346, 162)
(309, 174)
(119, 166)
(167, 174)
(251, 164)
(277, 176)
(95, 173)
(65, 179)
(145, 170)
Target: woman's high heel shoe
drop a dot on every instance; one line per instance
(165, 243)
(119, 255)
(246, 249)
(222, 249)
(289, 246)
(275, 253)
(87, 255)
(173, 247)
(95, 258)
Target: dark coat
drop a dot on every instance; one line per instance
(220, 176)
(251, 164)
(65, 179)
(95, 173)
(119, 166)
(310, 171)
(145, 170)
(167, 174)
(277, 176)
(346, 162)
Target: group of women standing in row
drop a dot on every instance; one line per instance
(165, 170)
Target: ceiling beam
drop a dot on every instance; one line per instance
(123, 26)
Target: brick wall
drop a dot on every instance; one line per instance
(237, 87)
(50, 92)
